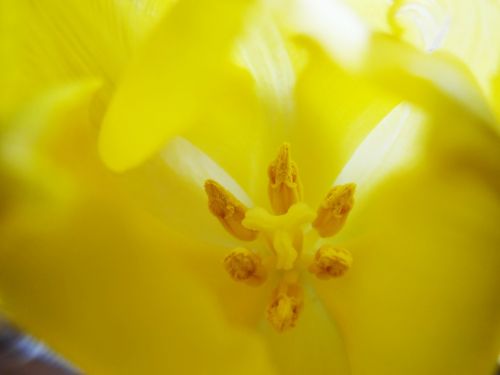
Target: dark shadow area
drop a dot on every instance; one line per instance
(22, 355)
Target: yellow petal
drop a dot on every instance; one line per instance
(335, 111)
(45, 44)
(334, 25)
(392, 145)
(264, 51)
(100, 280)
(421, 296)
(438, 82)
(103, 287)
(32, 153)
(372, 12)
(165, 88)
(463, 28)
(496, 95)
(171, 186)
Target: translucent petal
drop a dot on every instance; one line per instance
(171, 186)
(464, 28)
(42, 45)
(372, 12)
(437, 82)
(421, 296)
(265, 52)
(393, 144)
(335, 110)
(333, 24)
(170, 84)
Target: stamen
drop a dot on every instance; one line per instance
(333, 212)
(284, 187)
(286, 304)
(246, 266)
(330, 262)
(229, 210)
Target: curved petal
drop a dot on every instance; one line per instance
(171, 186)
(335, 110)
(496, 95)
(265, 52)
(103, 287)
(313, 346)
(95, 276)
(393, 144)
(397, 66)
(464, 28)
(437, 82)
(334, 25)
(372, 12)
(167, 86)
(422, 294)
(27, 152)
(45, 44)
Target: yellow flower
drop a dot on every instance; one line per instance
(241, 187)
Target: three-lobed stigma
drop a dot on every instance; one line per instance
(283, 231)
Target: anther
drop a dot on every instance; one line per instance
(330, 262)
(284, 187)
(286, 304)
(333, 212)
(229, 210)
(245, 266)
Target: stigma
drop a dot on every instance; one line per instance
(282, 230)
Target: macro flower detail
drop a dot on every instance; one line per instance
(283, 232)
(150, 213)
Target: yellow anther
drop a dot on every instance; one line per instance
(229, 210)
(246, 266)
(284, 187)
(330, 262)
(333, 212)
(286, 304)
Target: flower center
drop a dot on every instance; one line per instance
(283, 232)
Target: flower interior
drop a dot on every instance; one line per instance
(283, 228)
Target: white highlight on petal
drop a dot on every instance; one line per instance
(430, 20)
(194, 166)
(392, 144)
(335, 26)
(263, 52)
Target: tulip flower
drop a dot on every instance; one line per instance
(241, 187)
